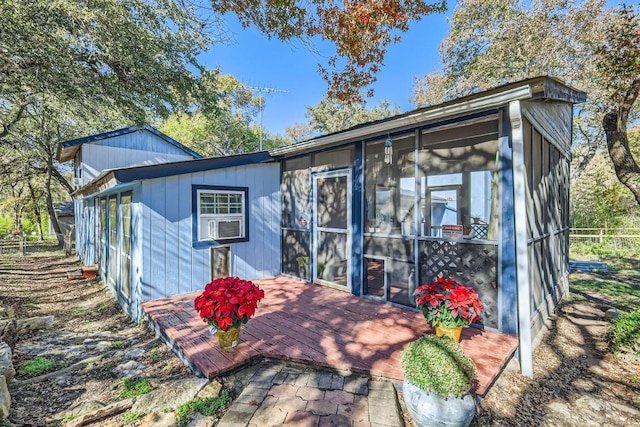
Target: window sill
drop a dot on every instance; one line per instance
(208, 243)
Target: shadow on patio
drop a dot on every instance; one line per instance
(312, 324)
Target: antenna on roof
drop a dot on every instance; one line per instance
(262, 90)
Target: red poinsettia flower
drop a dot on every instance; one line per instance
(228, 301)
(447, 302)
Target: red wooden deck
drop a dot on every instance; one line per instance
(307, 323)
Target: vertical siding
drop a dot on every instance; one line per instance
(171, 264)
(137, 148)
(185, 253)
(137, 261)
(157, 239)
(80, 221)
(84, 222)
(145, 235)
(553, 119)
(88, 235)
(200, 256)
(172, 234)
(548, 133)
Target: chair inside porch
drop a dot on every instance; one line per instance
(317, 325)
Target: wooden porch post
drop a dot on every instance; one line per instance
(520, 226)
(507, 272)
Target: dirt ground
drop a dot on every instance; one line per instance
(88, 326)
(577, 382)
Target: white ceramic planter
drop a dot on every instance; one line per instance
(432, 410)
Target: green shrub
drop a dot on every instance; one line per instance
(210, 406)
(625, 331)
(36, 366)
(6, 225)
(438, 365)
(135, 387)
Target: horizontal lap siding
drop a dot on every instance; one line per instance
(172, 265)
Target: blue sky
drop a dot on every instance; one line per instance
(259, 62)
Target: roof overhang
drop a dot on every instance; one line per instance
(536, 88)
(114, 177)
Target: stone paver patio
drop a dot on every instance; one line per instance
(284, 394)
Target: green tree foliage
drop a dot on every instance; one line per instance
(598, 199)
(136, 55)
(230, 130)
(29, 172)
(332, 115)
(495, 41)
(72, 68)
(140, 56)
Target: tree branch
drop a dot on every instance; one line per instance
(61, 179)
(6, 127)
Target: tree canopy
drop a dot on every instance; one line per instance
(72, 68)
(332, 115)
(360, 30)
(231, 129)
(141, 56)
(136, 55)
(587, 44)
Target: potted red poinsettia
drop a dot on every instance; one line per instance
(448, 306)
(226, 304)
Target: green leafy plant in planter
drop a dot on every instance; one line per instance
(438, 377)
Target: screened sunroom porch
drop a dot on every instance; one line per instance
(379, 217)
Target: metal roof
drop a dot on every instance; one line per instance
(110, 178)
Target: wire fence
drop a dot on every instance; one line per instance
(609, 238)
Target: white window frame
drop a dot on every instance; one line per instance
(204, 219)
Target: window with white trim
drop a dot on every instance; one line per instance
(221, 214)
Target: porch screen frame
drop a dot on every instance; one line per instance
(316, 230)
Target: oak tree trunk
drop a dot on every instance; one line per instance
(615, 127)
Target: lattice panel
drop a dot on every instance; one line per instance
(481, 231)
(470, 264)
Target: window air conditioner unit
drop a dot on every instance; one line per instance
(228, 228)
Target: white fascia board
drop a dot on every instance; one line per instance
(465, 107)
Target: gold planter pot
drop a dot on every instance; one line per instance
(453, 333)
(228, 338)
